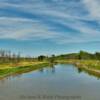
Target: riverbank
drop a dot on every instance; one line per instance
(23, 67)
(88, 65)
(92, 66)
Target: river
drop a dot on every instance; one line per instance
(60, 82)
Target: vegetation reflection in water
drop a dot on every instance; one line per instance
(59, 79)
(51, 68)
(13, 64)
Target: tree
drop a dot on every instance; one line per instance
(41, 57)
(18, 57)
(52, 59)
(85, 55)
(97, 55)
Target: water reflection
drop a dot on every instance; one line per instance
(90, 73)
(80, 70)
(50, 69)
(61, 79)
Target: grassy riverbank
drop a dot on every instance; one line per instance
(23, 67)
(89, 65)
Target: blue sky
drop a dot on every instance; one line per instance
(35, 27)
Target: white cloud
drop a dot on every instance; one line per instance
(70, 14)
(93, 6)
(18, 28)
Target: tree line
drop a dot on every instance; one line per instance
(82, 55)
(8, 56)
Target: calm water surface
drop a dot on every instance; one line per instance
(58, 81)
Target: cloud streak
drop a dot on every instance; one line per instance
(60, 21)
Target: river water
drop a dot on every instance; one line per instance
(60, 82)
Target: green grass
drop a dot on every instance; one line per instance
(92, 67)
(91, 64)
(21, 69)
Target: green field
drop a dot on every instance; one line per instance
(6, 71)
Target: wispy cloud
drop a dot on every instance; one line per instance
(60, 21)
(24, 29)
(93, 6)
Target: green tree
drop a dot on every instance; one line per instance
(52, 59)
(41, 58)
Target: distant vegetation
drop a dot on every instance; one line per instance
(8, 56)
(82, 55)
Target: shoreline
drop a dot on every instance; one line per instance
(81, 65)
(24, 67)
(7, 71)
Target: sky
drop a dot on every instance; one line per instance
(35, 27)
